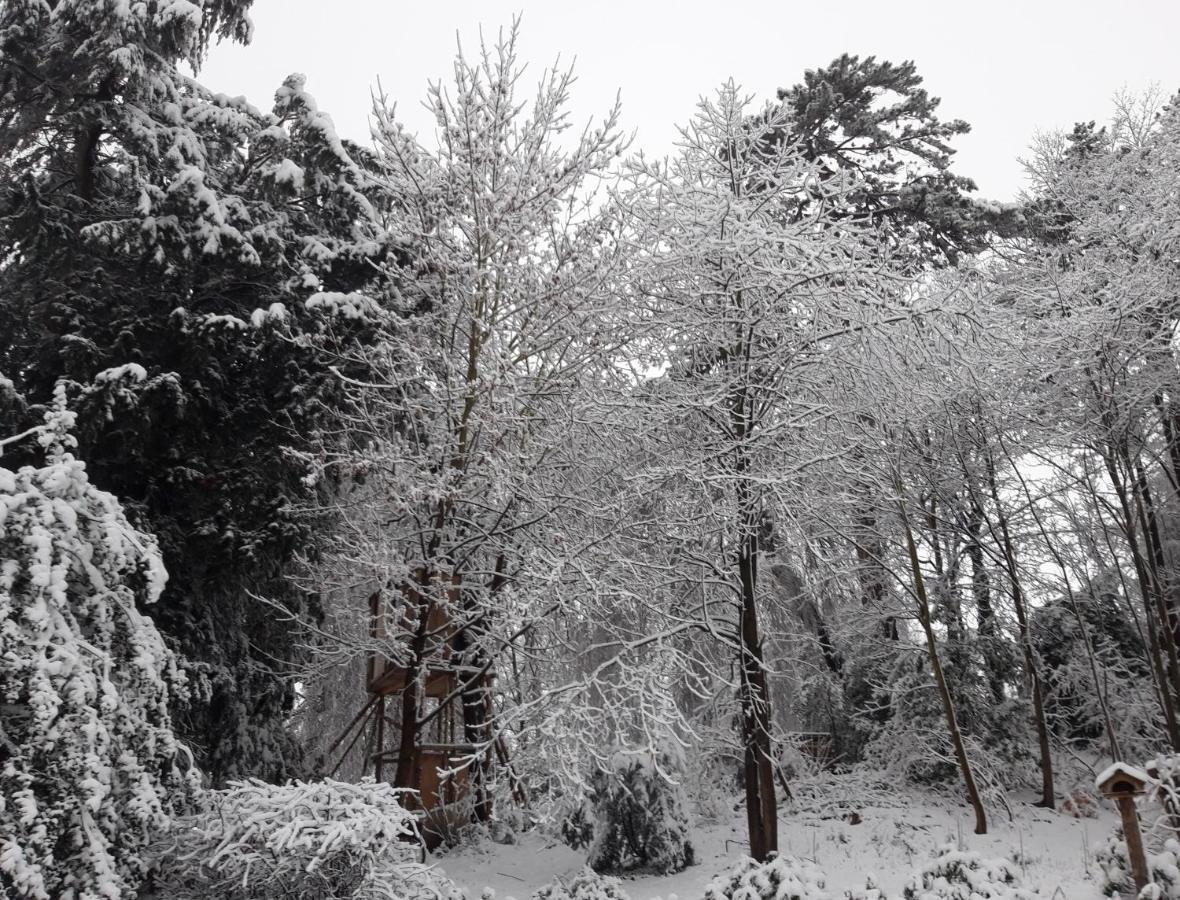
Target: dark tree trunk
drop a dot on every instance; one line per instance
(1083, 627)
(948, 705)
(87, 141)
(1048, 795)
(1150, 523)
(407, 755)
(869, 553)
(476, 698)
(761, 802)
(761, 806)
(1159, 634)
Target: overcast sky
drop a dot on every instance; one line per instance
(1009, 68)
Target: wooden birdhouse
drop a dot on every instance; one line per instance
(1121, 780)
(1122, 784)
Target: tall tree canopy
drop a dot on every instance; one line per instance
(872, 120)
(147, 221)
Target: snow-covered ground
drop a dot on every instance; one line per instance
(1052, 850)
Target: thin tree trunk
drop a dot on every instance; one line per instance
(981, 592)
(869, 553)
(1157, 560)
(1160, 644)
(1099, 692)
(1171, 426)
(1048, 795)
(944, 693)
(407, 753)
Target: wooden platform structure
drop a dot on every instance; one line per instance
(426, 724)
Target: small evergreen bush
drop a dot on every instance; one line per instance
(640, 815)
(963, 875)
(1163, 869)
(586, 885)
(577, 825)
(779, 878)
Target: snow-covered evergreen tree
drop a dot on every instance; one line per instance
(89, 766)
(641, 815)
(145, 219)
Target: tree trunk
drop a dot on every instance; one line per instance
(761, 806)
(476, 699)
(1048, 795)
(88, 139)
(761, 802)
(407, 754)
(1083, 627)
(981, 592)
(1150, 522)
(1159, 634)
(944, 693)
(869, 553)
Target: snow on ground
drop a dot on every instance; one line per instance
(1051, 850)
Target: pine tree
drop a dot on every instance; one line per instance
(147, 221)
(90, 766)
(872, 120)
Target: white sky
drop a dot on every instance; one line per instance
(1009, 67)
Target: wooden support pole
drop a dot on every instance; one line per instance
(348, 749)
(1134, 838)
(360, 715)
(379, 753)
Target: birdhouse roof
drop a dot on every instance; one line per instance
(1119, 778)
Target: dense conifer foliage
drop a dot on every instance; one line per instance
(148, 222)
(90, 768)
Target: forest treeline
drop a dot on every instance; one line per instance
(787, 446)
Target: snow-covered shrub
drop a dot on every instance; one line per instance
(641, 815)
(1085, 635)
(89, 765)
(710, 777)
(577, 824)
(964, 875)
(1163, 869)
(1111, 857)
(586, 885)
(913, 743)
(508, 823)
(1164, 790)
(779, 878)
(870, 892)
(325, 840)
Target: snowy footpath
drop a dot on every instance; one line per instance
(1052, 851)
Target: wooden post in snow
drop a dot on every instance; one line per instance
(1122, 784)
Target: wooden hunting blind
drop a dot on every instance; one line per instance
(427, 723)
(424, 692)
(427, 713)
